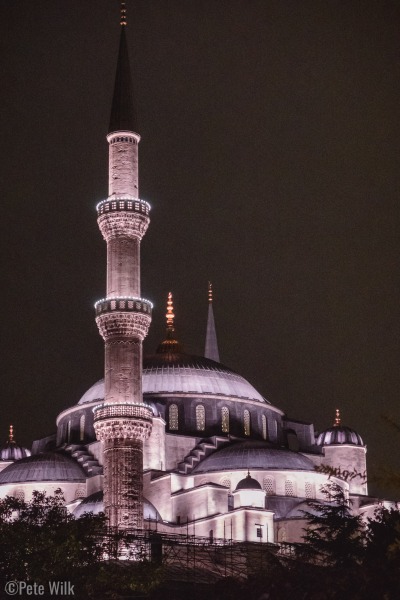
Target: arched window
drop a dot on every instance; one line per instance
(282, 534)
(19, 494)
(225, 419)
(309, 489)
(226, 482)
(268, 485)
(69, 431)
(80, 492)
(246, 422)
(200, 418)
(173, 417)
(82, 428)
(264, 427)
(60, 435)
(289, 488)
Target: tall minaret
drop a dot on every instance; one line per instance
(211, 349)
(123, 422)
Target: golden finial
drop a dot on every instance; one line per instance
(124, 19)
(170, 312)
(337, 419)
(210, 293)
(11, 434)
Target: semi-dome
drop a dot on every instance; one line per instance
(248, 483)
(48, 466)
(94, 393)
(95, 504)
(254, 455)
(339, 435)
(183, 373)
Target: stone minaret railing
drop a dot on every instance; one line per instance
(123, 421)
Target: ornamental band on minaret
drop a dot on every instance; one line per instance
(123, 421)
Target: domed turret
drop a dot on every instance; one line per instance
(11, 451)
(248, 492)
(344, 451)
(338, 434)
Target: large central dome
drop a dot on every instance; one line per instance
(183, 373)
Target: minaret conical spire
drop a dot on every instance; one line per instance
(211, 349)
(123, 114)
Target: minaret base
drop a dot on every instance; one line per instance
(123, 428)
(123, 483)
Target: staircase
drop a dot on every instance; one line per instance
(204, 448)
(87, 461)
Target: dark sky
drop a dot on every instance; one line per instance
(269, 155)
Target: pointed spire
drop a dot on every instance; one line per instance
(123, 117)
(337, 420)
(170, 344)
(210, 295)
(170, 313)
(211, 349)
(124, 20)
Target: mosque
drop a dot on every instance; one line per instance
(174, 441)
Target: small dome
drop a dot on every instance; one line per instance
(254, 455)
(11, 451)
(49, 466)
(248, 483)
(339, 434)
(94, 503)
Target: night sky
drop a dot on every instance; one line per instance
(270, 157)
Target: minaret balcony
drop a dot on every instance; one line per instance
(122, 421)
(123, 204)
(123, 217)
(125, 304)
(123, 317)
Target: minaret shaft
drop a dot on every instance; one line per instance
(123, 381)
(123, 267)
(123, 468)
(123, 174)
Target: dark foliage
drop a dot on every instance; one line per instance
(342, 558)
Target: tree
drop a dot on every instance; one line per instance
(334, 536)
(41, 541)
(382, 554)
